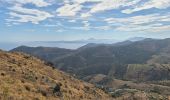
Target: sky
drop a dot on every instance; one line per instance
(54, 20)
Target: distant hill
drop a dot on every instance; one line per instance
(69, 44)
(112, 59)
(24, 77)
(100, 59)
(45, 53)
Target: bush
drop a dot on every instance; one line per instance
(44, 93)
(87, 88)
(57, 89)
(27, 88)
(156, 90)
(2, 74)
(22, 81)
(13, 70)
(124, 86)
(116, 94)
(27, 57)
(30, 77)
(36, 78)
(49, 64)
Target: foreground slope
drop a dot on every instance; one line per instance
(23, 77)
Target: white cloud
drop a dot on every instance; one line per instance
(159, 4)
(160, 28)
(140, 23)
(131, 20)
(72, 21)
(86, 23)
(38, 3)
(60, 30)
(21, 14)
(112, 4)
(81, 1)
(50, 25)
(8, 24)
(85, 15)
(57, 24)
(72, 7)
(103, 27)
(140, 19)
(137, 28)
(77, 12)
(69, 10)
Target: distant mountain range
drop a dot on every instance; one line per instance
(101, 58)
(61, 44)
(122, 64)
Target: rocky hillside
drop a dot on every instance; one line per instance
(23, 77)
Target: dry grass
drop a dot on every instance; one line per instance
(23, 77)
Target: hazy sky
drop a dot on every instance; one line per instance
(52, 20)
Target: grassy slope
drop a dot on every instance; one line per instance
(23, 77)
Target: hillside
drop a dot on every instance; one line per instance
(108, 59)
(25, 77)
(125, 68)
(146, 72)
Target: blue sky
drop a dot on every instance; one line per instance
(52, 20)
